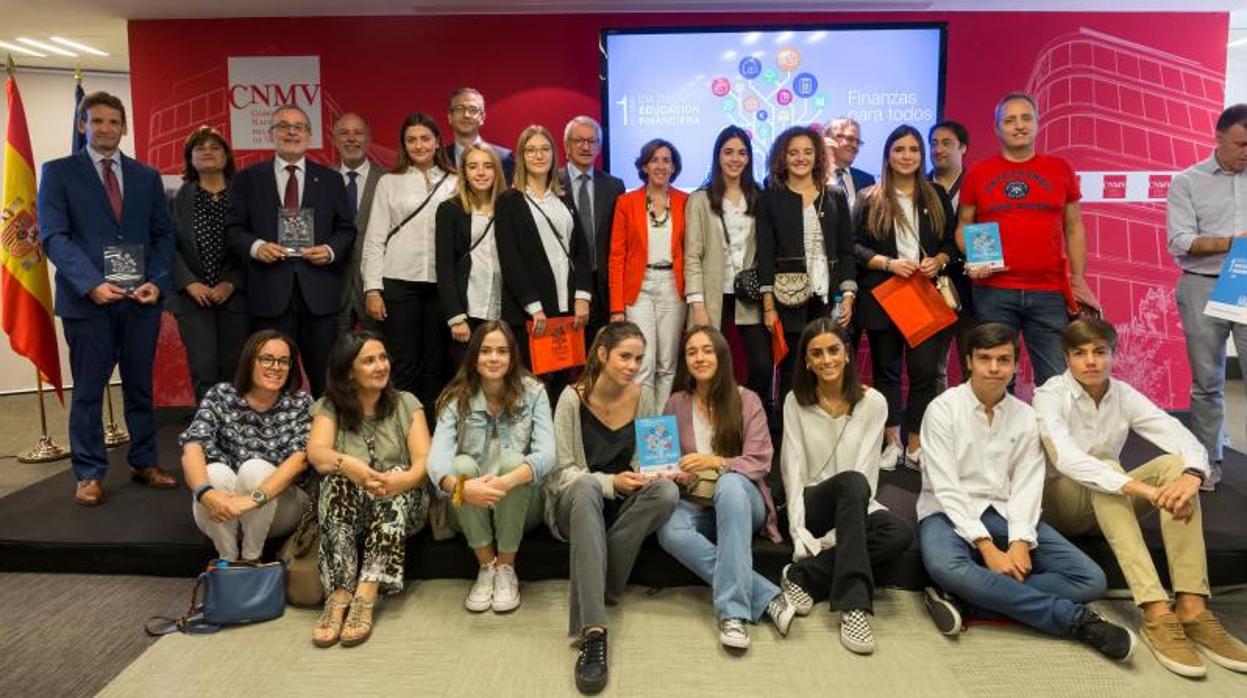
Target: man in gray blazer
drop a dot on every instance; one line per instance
(352, 138)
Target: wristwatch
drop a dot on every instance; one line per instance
(1196, 473)
(200, 491)
(259, 496)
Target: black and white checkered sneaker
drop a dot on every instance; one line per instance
(855, 632)
(801, 601)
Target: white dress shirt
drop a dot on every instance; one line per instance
(906, 230)
(969, 464)
(98, 161)
(485, 276)
(815, 253)
(1079, 435)
(842, 179)
(817, 446)
(361, 177)
(739, 225)
(556, 244)
(283, 176)
(410, 253)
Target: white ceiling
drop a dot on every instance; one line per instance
(102, 23)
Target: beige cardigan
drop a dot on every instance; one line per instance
(703, 261)
(569, 454)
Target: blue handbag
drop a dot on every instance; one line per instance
(233, 593)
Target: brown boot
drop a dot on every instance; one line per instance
(1213, 640)
(1165, 637)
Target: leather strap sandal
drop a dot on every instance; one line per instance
(358, 626)
(330, 619)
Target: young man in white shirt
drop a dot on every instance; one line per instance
(1085, 417)
(982, 483)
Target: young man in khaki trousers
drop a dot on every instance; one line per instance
(1085, 417)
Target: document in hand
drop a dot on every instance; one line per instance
(562, 346)
(1229, 295)
(658, 445)
(915, 306)
(983, 245)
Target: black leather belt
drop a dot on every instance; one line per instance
(665, 266)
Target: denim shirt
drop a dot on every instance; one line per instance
(530, 433)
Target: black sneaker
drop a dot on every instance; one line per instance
(943, 611)
(591, 669)
(1109, 639)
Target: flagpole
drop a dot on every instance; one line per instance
(114, 434)
(46, 450)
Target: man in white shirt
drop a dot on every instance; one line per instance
(843, 138)
(982, 484)
(352, 138)
(1085, 417)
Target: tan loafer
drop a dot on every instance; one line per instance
(89, 493)
(154, 477)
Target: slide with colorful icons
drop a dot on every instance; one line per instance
(686, 86)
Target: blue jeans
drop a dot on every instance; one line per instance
(1062, 577)
(690, 536)
(1040, 316)
(1205, 350)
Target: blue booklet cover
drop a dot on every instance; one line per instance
(983, 245)
(658, 445)
(1229, 295)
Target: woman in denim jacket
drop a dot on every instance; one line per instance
(493, 444)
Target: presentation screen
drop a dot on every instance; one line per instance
(687, 85)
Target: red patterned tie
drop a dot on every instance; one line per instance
(291, 201)
(112, 187)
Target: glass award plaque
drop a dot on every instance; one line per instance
(296, 230)
(123, 266)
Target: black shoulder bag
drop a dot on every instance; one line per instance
(745, 285)
(413, 214)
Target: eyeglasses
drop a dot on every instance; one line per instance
(849, 139)
(269, 361)
(538, 150)
(293, 128)
(583, 141)
(469, 109)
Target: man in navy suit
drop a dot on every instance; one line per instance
(466, 116)
(843, 138)
(298, 294)
(95, 204)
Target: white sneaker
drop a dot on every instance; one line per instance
(855, 633)
(506, 589)
(732, 633)
(481, 597)
(890, 457)
(781, 611)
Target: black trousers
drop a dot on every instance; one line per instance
(759, 366)
(815, 308)
(845, 573)
(313, 334)
(924, 365)
(417, 339)
(213, 338)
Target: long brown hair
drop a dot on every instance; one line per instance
(727, 418)
(805, 382)
(885, 207)
(440, 158)
(467, 382)
(340, 386)
(607, 338)
(519, 180)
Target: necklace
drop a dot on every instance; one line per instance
(649, 208)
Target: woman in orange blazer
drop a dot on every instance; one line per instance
(647, 264)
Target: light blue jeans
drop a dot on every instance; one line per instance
(1205, 350)
(716, 544)
(1051, 598)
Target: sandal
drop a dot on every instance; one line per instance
(330, 619)
(358, 626)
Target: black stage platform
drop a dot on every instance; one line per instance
(144, 531)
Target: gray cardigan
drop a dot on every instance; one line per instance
(703, 261)
(569, 454)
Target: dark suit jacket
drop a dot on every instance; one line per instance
(861, 179)
(504, 154)
(454, 264)
(526, 273)
(353, 284)
(254, 217)
(606, 188)
(781, 235)
(868, 314)
(76, 222)
(187, 264)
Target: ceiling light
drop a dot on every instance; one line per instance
(81, 47)
(46, 47)
(22, 49)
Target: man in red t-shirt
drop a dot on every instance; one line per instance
(1034, 199)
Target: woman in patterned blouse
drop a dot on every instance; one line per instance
(209, 305)
(246, 447)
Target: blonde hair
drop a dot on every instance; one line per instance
(466, 197)
(520, 180)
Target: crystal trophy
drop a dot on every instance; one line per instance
(296, 230)
(123, 266)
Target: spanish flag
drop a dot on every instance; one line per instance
(25, 294)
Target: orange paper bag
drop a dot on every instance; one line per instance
(779, 345)
(562, 346)
(915, 306)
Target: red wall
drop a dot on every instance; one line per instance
(1118, 91)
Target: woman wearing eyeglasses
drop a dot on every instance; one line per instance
(370, 444)
(245, 449)
(546, 272)
(398, 260)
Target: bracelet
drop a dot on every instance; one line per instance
(456, 495)
(200, 491)
(887, 264)
(337, 466)
(1196, 473)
